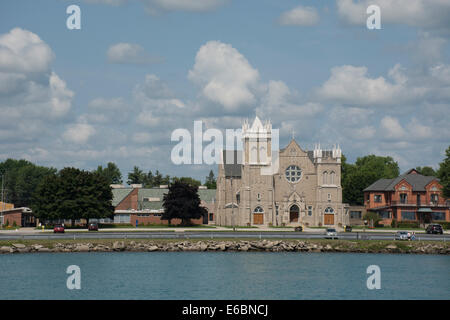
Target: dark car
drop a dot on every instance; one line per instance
(348, 228)
(299, 229)
(59, 228)
(93, 227)
(434, 229)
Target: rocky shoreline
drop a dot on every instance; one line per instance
(235, 246)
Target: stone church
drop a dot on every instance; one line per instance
(303, 188)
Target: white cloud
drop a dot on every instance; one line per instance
(351, 85)
(22, 51)
(391, 128)
(224, 75)
(78, 133)
(130, 53)
(300, 16)
(32, 96)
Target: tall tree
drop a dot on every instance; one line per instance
(182, 202)
(21, 179)
(158, 179)
(426, 171)
(73, 194)
(444, 174)
(136, 177)
(366, 170)
(111, 173)
(211, 181)
(187, 180)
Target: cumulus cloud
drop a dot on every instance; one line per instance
(31, 94)
(130, 53)
(78, 133)
(300, 16)
(353, 86)
(224, 75)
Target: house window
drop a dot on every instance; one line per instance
(403, 198)
(332, 175)
(211, 217)
(438, 216)
(238, 198)
(276, 209)
(355, 214)
(310, 208)
(384, 214)
(377, 198)
(435, 198)
(258, 196)
(329, 197)
(408, 215)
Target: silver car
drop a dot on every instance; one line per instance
(331, 233)
(402, 235)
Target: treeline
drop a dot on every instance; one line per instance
(22, 178)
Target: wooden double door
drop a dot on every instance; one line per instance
(258, 218)
(328, 219)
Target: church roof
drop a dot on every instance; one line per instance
(233, 169)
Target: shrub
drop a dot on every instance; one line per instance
(408, 224)
(14, 224)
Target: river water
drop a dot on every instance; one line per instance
(223, 275)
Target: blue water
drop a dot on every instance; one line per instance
(223, 275)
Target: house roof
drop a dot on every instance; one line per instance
(416, 180)
(119, 194)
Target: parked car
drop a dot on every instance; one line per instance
(299, 229)
(331, 233)
(59, 228)
(402, 235)
(93, 227)
(348, 228)
(434, 229)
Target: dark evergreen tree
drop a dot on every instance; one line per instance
(211, 180)
(111, 173)
(182, 202)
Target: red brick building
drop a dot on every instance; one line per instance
(144, 206)
(409, 197)
(20, 217)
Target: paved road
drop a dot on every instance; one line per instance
(212, 235)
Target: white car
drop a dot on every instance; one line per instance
(402, 235)
(331, 233)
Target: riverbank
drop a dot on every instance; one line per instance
(237, 245)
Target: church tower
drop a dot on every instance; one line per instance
(257, 142)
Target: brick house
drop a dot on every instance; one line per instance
(409, 197)
(145, 205)
(21, 217)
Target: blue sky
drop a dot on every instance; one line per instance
(137, 70)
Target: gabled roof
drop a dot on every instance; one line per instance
(416, 180)
(206, 195)
(119, 194)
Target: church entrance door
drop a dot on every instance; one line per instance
(328, 219)
(258, 218)
(294, 213)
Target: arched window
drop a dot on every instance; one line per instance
(332, 177)
(258, 209)
(329, 210)
(325, 177)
